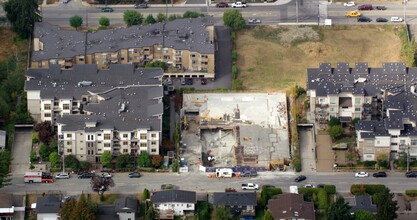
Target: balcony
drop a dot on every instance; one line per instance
(248, 212)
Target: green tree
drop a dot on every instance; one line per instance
(5, 159)
(339, 210)
(161, 17)
(223, 213)
(234, 19)
(157, 160)
(33, 156)
(44, 152)
(145, 194)
(54, 159)
(355, 121)
(83, 210)
(104, 22)
(150, 19)
(71, 162)
(22, 14)
(175, 165)
(101, 184)
(76, 21)
(192, 14)
(268, 215)
(85, 166)
(44, 130)
(386, 205)
(157, 63)
(66, 209)
(144, 160)
(335, 131)
(105, 158)
(382, 160)
(267, 194)
(150, 213)
(333, 121)
(131, 17)
(363, 215)
(173, 17)
(125, 161)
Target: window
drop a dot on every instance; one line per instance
(153, 142)
(357, 101)
(81, 148)
(104, 55)
(192, 55)
(69, 142)
(332, 109)
(413, 142)
(394, 136)
(69, 135)
(357, 109)
(47, 106)
(333, 101)
(204, 56)
(125, 143)
(99, 135)
(124, 150)
(204, 63)
(47, 115)
(402, 141)
(106, 144)
(106, 136)
(90, 144)
(81, 58)
(143, 136)
(56, 103)
(153, 135)
(66, 106)
(69, 150)
(125, 136)
(143, 144)
(153, 150)
(165, 50)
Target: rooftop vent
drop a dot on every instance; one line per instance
(85, 83)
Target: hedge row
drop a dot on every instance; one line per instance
(267, 194)
(316, 195)
(330, 189)
(362, 189)
(412, 193)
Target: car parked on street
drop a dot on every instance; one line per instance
(254, 21)
(249, 173)
(62, 176)
(308, 186)
(134, 175)
(203, 81)
(364, 19)
(349, 4)
(365, 7)
(381, 20)
(268, 186)
(300, 178)
(189, 81)
(143, 5)
(381, 8)
(320, 185)
(396, 19)
(352, 14)
(239, 5)
(106, 9)
(222, 5)
(411, 174)
(106, 175)
(361, 174)
(182, 80)
(380, 174)
(85, 175)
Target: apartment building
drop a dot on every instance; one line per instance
(384, 99)
(185, 45)
(118, 109)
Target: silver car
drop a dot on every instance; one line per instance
(62, 176)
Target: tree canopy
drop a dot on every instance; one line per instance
(339, 210)
(223, 213)
(54, 159)
(363, 215)
(22, 14)
(5, 159)
(150, 19)
(144, 160)
(71, 162)
(161, 17)
(268, 215)
(104, 22)
(125, 161)
(131, 17)
(192, 14)
(101, 184)
(335, 131)
(105, 158)
(234, 19)
(386, 205)
(76, 21)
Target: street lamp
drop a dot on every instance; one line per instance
(405, 3)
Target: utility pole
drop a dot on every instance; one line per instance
(318, 13)
(408, 158)
(296, 9)
(166, 9)
(405, 3)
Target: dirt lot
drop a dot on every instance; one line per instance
(8, 46)
(268, 60)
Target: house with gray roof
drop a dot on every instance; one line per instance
(174, 202)
(47, 207)
(126, 208)
(291, 206)
(361, 203)
(384, 99)
(240, 203)
(117, 109)
(185, 45)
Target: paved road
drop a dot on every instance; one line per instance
(397, 182)
(21, 150)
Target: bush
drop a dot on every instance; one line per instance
(268, 193)
(308, 193)
(322, 201)
(333, 121)
(233, 36)
(369, 163)
(234, 72)
(192, 14)
(330, 189)
(412, 193)
(237, 84)
(362, 189)
(234, 56)
(296, 162)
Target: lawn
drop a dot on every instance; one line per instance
(268, 61)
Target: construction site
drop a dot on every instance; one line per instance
(235, 129)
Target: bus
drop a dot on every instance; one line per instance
(38, 177)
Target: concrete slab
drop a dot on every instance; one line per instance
(325, 155)
(307, 149)
(21, 150)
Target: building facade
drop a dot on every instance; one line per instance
(117, 110)
(185, 45)
(174, 202)
(383, 99)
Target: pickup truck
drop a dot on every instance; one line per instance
(252, 186)
(239, 5)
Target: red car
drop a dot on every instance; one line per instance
(222, 5)
(203, 81)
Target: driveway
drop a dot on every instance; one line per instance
(325, 154)
(223, 55)
(20, 151)
(307, 149)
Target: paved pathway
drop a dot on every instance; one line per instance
(21, 150)
(325, 155)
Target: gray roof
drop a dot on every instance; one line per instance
(234, 198)
(137, 90)
(2, 138)
(180, 34)
(106, 212)
(393, 83)
(174, 195)
(363, 202)
(48, 204)
(6, 200)
(126, 204)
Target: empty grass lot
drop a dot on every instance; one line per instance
(265, 62)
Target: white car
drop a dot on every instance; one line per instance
(308, 186)
(239, 5)
(361, 174)
(106, 175)
(349, 4)
(254, 21)
(396, 19)
(62, 176)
